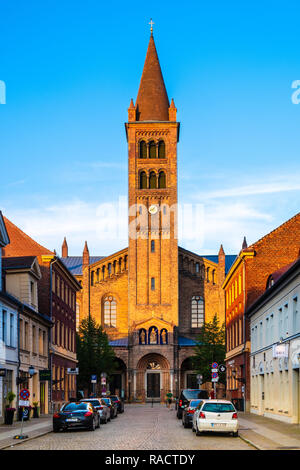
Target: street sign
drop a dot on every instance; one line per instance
(215, 380)
(45, 375)
(214, 365)
(93, 379)
(199, 376)
(215, 370)
(24, 403)
(24, 394)
(222, 368)
(103, 374)
(214, 375)
(74, 371)
(103, 380)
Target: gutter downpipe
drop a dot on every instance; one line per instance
(50, 361)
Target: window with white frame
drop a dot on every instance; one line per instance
(197, 311)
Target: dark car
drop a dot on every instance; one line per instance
(187, 395)
(119, 403)
(112, 406)
(76, 415)
(188, 413)
(101, 407)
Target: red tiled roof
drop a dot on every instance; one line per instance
(21, 244)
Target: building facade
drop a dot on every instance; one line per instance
(56, 293)
(275, 347)
(244, 283)
(152, 297)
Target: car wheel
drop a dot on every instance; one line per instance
(186, 425)
(179, 415)
(197, 430)
(193, 429)
(56, 429)
(92, 427)
(236, 434)
(98, 425)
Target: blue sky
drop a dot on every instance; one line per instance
(70, 70)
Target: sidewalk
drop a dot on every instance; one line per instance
(33, 428)
(268, 434)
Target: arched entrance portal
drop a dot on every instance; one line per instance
(153, 377)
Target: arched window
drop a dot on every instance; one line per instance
(152, 149)
(152, 180)
(207, 274)
(162, 179)
(142, 336)
(92, 278)
(110, 312)
(152, 246)
(153, 335)
(161, 149)
(143, 180)
(197, 311)
(109, 269)
(164, 336)
(197, 268)
(143, 149)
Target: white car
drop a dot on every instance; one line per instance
(216, 416)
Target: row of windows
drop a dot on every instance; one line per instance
(33, 339)
(63, 336)
(276, 391)
(152, 149)
(63, 291)
(271, 329)
(234, 291)
(116, 267)
(235, 335)
(193, 267)
(153, 180)
(68, 382)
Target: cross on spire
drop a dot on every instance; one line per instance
(151, 25)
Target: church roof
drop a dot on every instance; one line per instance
(152, 102)
(229, 260)
(74, 263)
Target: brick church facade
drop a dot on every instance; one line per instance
(153, 297)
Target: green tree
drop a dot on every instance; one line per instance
(210, 348)
(94, 353)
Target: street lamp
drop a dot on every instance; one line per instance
(240, 379)
(31, 371)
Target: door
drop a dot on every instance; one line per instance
(153, 385)
(42, 397)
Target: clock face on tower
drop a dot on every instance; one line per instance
(153, 209)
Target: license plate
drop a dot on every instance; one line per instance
(72, 420)
(217, 425)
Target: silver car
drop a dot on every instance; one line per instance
(101, 407)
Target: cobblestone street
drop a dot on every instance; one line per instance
(141, 427)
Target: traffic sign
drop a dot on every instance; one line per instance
(222, 368)
(215, 370)
(214, 375)
(93, 379)
(24, 394)
(214, 365)
(73, 371)
(24, 403)
(215, 380)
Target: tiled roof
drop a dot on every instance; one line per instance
(123, 342)
(183, 341)
(18, 262)
(229, 260)
(74, 263)
(152, 101)
(21, 244)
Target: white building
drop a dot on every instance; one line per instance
(275, 347)
(8, 335)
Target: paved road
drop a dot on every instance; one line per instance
(141, 427)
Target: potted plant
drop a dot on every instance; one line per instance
(35, 409)
(9, 410)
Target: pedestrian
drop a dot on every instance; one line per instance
(169, 399)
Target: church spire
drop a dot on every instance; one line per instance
(152, 102)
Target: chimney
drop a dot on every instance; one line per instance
(131, 111)
(64, 249)
(85, 255)
(172, 111)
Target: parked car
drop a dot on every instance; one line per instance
(215, 416)
(76, 414)
(188, 413)
(101, 407)
(112, 406)
(187, 395)
(119, 403)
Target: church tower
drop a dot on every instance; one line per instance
(152, 135)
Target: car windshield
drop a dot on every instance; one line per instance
(114, 398)
(192, 394)
(75, 406)
(194, 403)
(93, 402)
(107, 400)
(218, 407)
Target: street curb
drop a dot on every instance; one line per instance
(250, 442)
(19, 442)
